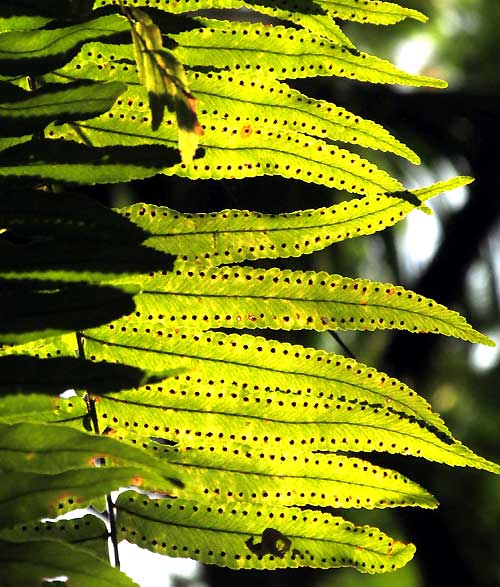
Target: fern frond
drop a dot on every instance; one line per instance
(251, 152)
(283, 53)
(232, 236)
(374, 12)
(68, 102)
(242, 297)
(255, 536)
(344, 405)
(74, 162)
(241, 440)
(38, 51)
(224, 96)
(31, 496)
(88, 532)
(290, 477)
(32, 407)
(12, 21)
(64, 345)
(32, 448)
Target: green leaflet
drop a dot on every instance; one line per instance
(366, 12)
(260, 152)
(70, 102)
(255, 536)
(99, 61)
(24, 52)
(77, 163)
(165, 80)
(223, 96)
(6, 142)
(231, 236)
(329, 424)
(297, 477)
(28, 563)
(49, 449)
(64, 345)
(370, 12)
(9, 21)
(320, 24)
(40, 408)
(30, 496)
(243, 297)
(88, 532)
(255, 363)
(310, 397)
(284, 53)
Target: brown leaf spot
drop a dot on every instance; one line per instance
(246, 131)
(137, 481)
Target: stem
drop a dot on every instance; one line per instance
(79, 341)
(112, 530)
(91, 411)
(342, 345)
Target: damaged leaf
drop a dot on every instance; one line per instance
(273, 542)
(165, 80)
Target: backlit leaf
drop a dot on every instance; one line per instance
(87, 532)
(284, 53)
(49, 449)
(230, 236)
(237, 535)
(25, 52)
(72, 101)
(310, 397)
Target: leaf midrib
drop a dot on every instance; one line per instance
(242, 533)
(259, 368)
(442, 447)
(291, 476)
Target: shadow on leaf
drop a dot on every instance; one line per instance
(77, 163)
(25, 374)
(35, 309)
